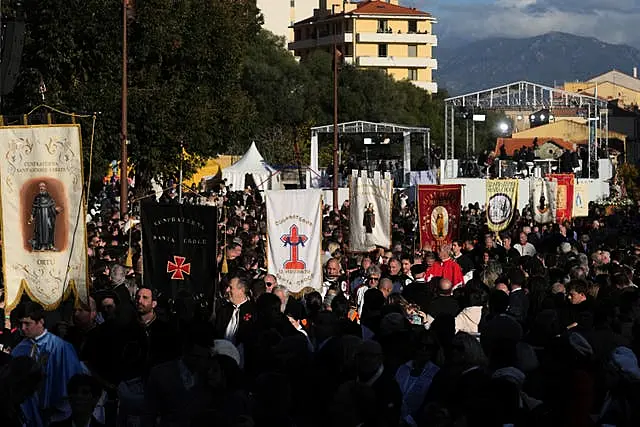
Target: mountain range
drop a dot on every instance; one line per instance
(552, 58)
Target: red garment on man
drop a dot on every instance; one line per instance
(451, 270)
(434, 271)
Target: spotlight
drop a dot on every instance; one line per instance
(504, 127)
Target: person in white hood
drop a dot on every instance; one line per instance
(469, 318)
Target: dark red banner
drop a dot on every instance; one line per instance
(564, 195)
(439, 214)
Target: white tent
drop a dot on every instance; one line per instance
(252, 163)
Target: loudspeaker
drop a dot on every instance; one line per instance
(14, 33)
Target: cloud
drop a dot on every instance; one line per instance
(607, 21)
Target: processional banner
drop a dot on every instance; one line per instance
(179, 247)
(580, 200)
(543, 200)
(438, 214)
(502, 197)
(294, 233)
(370, 201)
(564, 195)
(44, 243)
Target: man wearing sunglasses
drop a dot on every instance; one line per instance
(373, 278)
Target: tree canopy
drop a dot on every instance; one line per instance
(202, 73)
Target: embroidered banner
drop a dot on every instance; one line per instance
(294, 232)
(543, 200)
(179, 247)
(370, 213)
(44, 243)
(438, 214)
(502, 196)
(564, 195)
(580, 200)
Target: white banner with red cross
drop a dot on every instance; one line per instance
(294, 233)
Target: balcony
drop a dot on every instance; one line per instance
(321, 41)
(397, 62)
(431, 87)
(401, 38)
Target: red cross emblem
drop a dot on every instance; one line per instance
(178, 267)
(293, 240)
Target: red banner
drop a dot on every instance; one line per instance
(564, 195)
(439, 214)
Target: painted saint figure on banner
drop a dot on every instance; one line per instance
(543, 208)
(439, 222)
(369, 220)
(43, 216)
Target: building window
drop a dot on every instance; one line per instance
(413, 74)
(382, 50)
(413, 50)
(349, 26)
(292, 3)
(348, 49)
(383, 26)
(413, 26)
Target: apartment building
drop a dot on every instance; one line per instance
(373, 35)
(280, 15)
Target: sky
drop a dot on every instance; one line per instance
(612, 21)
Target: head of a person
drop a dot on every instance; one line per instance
(406, 265)
(444, 252)
(270, 282)
(523, 238)
(456, 247)
(488, 241)
(84, 392)
(558, 288)
(108, 307)
(486, 256)
(418, 271)
(466, 352)
(429, 259)
(516, 279)
(237, 289)
(388, 255)
(386, 287)
(469, 246)
(501, 286)
(394, 266)
(369, 359)
(234, 250)
(445, 287)
(578, 290)
(42, 187)
(117, 274)
(31, 317)
(283, 293)
(84, 314)
(365, 263)
(373, 276)
(332, 269)
(146, 301)
(506, 242)
(340, 306)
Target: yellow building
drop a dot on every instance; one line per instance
(373, 35)
(568, 130)
(612, 85)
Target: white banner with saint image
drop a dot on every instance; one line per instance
(369, 212)
(44, 246)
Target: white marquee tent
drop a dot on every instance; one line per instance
(252, 163)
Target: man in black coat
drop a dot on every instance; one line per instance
(235, 318)
(518, 298)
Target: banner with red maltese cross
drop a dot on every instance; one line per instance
(179, 247)
(294, 231)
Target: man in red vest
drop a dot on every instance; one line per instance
(450, 269)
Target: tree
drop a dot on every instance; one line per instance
(185, 62)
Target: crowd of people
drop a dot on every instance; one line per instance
(536, 325)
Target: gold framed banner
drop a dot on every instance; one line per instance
(502, 197)
(44, 244)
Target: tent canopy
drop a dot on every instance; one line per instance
(252, 163)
